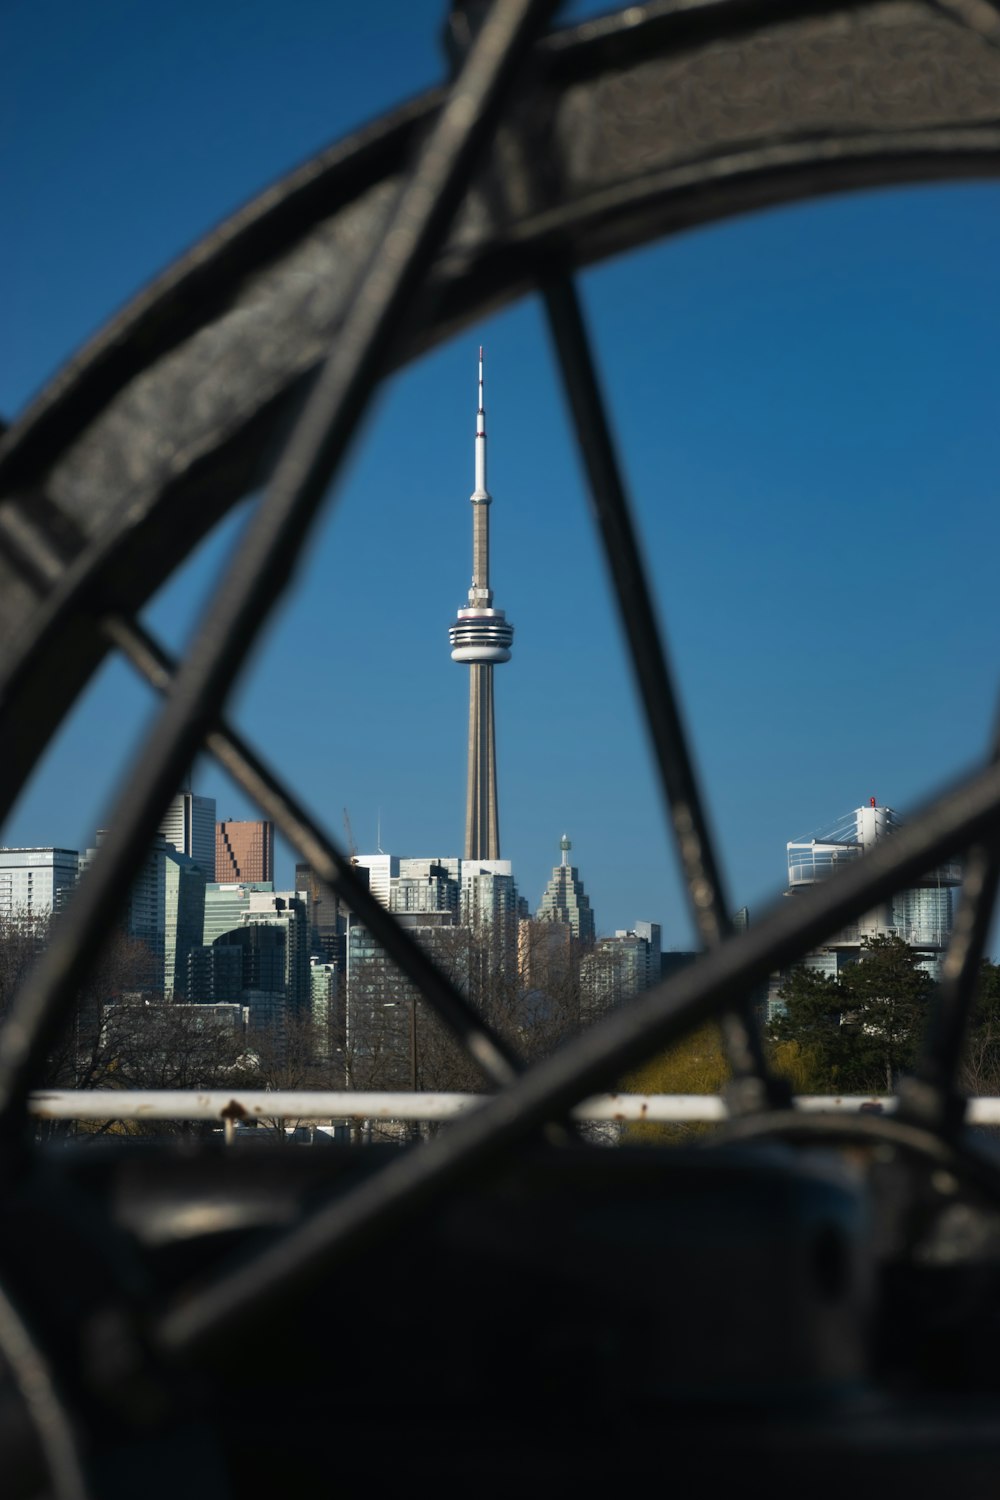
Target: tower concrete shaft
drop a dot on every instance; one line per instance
(482, 637)
(482, 823)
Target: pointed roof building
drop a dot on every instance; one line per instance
(565, 900)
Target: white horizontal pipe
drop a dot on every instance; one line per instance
(219, 1104)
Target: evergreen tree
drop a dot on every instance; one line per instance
(862, 1030)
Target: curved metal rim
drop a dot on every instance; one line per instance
(765, 174)
(126, 564)
(200, 281)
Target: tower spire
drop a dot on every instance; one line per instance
(481, 493)
(482, 637)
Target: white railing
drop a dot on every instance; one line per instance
(232, 1107)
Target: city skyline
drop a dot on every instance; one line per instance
(804, 402)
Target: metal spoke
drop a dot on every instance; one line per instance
(268, 551)
(754, 1088)
(932, 1095)
(583, 1066)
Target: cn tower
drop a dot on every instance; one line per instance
(482, 637)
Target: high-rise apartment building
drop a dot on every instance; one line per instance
(288, 912)
(183, 919)
(565, 900)
(489, 901)
(189, 824)
(325, 1011)
(425, 884)
(215, 974)
(244, 850)
(463, 912)
(618, 968)
(268, 932)
(921, 916)
(385, 1016)
(34, 883)
(652, 935)
(165, 912)
(481, 637)
(328, 916)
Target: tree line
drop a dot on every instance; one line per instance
(124, 1034)
(855, 1034)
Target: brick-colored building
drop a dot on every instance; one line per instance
(244, 851)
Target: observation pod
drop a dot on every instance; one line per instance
(481, 635)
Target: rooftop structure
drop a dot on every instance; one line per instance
(481, 637)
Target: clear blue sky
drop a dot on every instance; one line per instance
(806, 401)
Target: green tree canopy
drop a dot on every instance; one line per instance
(861, 1031)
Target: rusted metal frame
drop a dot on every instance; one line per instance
(495, 1058)
(589, 1063)
(276, 534)
(752, 1086)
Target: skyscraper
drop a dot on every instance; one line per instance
(327, 915)
(244, 850)
(482, 637)
(565, 900)
(165, 912)
(189, 824)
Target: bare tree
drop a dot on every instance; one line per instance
(525, 986)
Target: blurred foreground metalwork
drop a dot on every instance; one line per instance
(219, 1324)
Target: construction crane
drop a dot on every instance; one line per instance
(352, 847)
